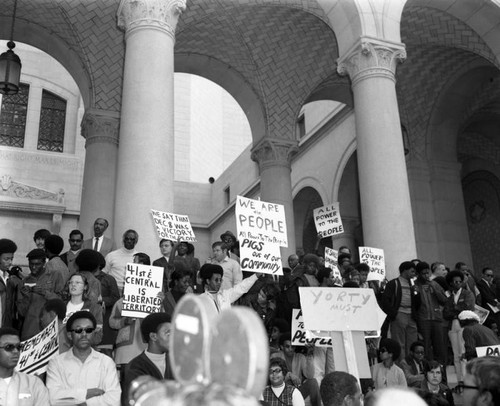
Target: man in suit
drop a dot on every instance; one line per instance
(75, 243)
(166, 247)
(99, 242)
(488, 296)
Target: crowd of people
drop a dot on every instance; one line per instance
(436, 318)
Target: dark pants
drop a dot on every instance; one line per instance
(310, 387)
(434, 342)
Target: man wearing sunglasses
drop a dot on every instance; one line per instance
(489, 299)
(81, 374)
(17, 387)
(481, 385)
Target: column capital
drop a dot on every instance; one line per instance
(274, 151)
(100, 126)
(159, 14)
(371, 57)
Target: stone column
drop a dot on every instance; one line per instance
(145, 178)
(383, 181)
(274, 158)
(100, 130)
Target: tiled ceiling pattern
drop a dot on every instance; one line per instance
(437, 46)
(282, 52)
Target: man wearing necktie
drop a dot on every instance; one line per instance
(99, 242)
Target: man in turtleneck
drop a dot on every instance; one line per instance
(154, 361)
(117, 260)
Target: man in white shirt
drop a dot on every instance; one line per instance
(81, 374)
(99, 242)
(232, 271)
(17, 388)
(117, 260)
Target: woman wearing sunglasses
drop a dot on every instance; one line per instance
(277, 393)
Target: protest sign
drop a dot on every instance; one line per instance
(175, 227)
(261, 221)
(256, 256)
(339, 309)
(375, 259)
(331, 262)
(327, 220)
(492, 351)
(140, 293)
(37, 351)
(301, 336)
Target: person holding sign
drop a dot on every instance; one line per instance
(17, 388)
(82, 375)
(211, 276)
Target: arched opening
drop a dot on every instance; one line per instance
(304, 204)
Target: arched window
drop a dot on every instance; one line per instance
(13, 117)
(52, 121)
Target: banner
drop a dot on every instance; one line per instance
(339, 309)
(375, 259)
(261, 221)
(327, 220)
(37, 351)
(256, 256)
(301, 336)
(175, 227)
(140, 293)
(331, 261)
(492, 351)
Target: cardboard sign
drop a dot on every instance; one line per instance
(339, 309)
(256, 256)
(301, 336)
(140, 294)
(492, 351)
(327, 220)
(261, 221)
(375, 259)
(175, 227)
(37, 351)
(331, 262)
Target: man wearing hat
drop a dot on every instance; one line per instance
(475, 334)
(231, 242)
(38, 287)
(7, 250)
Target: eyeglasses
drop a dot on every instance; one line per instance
(275, 371)
(489, 275)
(72, 240)
(383, 350)
(460, 387)
(11, 347)
(419, 352)
(80, 330)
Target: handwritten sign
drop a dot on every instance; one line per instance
(327, 220)
(339, 309)
(261, 221)
(375, 259)
(172, 226)
(140, 294)
(492, 351)
(256, 256)
(37, 351)
(301, 336)
(331, 261)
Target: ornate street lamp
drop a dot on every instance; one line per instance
(10, 64)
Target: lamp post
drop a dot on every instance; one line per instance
(10, 64)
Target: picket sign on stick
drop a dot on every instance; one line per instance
(346, 313)
(491, 350)
(175, 227)
(331, 261)
(327, 220)
(140, 293)
(375, 259)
